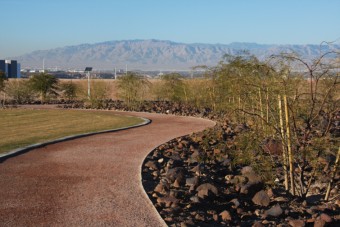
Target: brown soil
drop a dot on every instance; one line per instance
(91, 181)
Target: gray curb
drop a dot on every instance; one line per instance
(22, 150)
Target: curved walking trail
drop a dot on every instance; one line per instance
(90, 181)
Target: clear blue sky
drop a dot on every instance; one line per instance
(28, 25)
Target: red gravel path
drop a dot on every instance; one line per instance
(91, 181)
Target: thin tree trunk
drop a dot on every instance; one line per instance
(284, 148)
(289, 148)
(267, 99)
(239, 102)
(329, 187)
(185, 94)
(261, 109)
(267, 113)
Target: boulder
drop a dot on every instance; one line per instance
(159, 188)
(176, 184)
(325, 217)
(275, 211)
(205, 189)
(162, 187)
(297, 223)
(167, 200)
(200, 217)
(197, 169)
(261, 198)
(225, 215)
(235, 202)
(319, 223)
(177, 173)
(194, 199)
(192, 181)
(257, 224)
(151, 165)
(254, 181)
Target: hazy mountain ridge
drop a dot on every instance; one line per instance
(154, 54)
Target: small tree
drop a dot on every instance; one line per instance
(44, 84)
(99, 93)
(312, 109)
(132, 88)
(69, 90)
(173, 87)
(19, 91)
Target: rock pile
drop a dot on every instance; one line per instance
(192, 181)
(164, 107)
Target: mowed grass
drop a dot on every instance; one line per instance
(22, 127)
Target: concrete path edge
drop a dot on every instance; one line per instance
(23, 150)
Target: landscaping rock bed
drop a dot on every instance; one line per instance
(191, 185)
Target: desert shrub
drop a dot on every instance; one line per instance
(68, 90)
(249, 152)
(45, 85)
(132, 88)
(19, 91)
(98, 94)
(196, 93)
(172, 88)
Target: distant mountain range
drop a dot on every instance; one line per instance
(153, 54)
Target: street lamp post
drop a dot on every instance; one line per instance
(87, 71)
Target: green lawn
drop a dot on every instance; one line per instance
(22, 127)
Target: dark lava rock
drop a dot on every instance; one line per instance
(194, 199)
(258, 224)
(325, 217)
(225, 215)
(297, 223)
(151, 165)
(204, 189)
(177, 173)
(197, 169)
(254, 183)
(235, 202)
(199, 217)
(167, 200)
(261, 198)
(319, 223)
(163, 186)
(192, 181)
(275, 211)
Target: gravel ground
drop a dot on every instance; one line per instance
(91, 181)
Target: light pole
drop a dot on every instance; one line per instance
(87, 71)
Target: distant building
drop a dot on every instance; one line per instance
(3, 66)
(11, 68)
